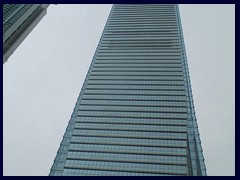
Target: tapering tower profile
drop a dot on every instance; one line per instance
(18, 21)
(134, 115)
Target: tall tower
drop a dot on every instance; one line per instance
(18, 21)
(135, 114)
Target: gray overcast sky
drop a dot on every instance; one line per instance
(42, 80)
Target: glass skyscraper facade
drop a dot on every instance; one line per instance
(135, 115)
(18, 21)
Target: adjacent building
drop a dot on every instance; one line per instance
(18, 21)
(135, 115)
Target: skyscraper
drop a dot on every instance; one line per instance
(18, 21)
(135, 113)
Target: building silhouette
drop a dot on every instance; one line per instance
(135, 115)
(18, 21)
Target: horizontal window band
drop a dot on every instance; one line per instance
(171, 47)
(135, 70)
(179, 96)
(139, 73)
(157, 38)
(116, 75)
(134, 111)
(106, 103)
(143, 18)
(174, 81)
(148, 56)
(137, 47)
(147, 41)
(122, 148)
(129, 36)
(134, 46)
(138, 87)
(168, 32)
(113, 99)
(132, 105)
(163, 37)
(132, 122)
(118, 38)
(88, 172)
(150, 15)
(136, 83)
(145, 8)
(170, 50)
(141, 87)
(134, 94)
(117, 171)
(136, 65)
(141, 115)
(139, 9)
(132, 130)
(141, 14)
(132, 157)
(155, 45)
(148, 21)
(144, 40)
(128, 137)
(138, 62)
(140, 121)
(140, 24)
(177, 89)
(156, 27)
(130, 134)
(133, 117)
(158, 150)
(125, 152)
(141, 56)
(136, 78)
(129, 63)
(154, 20)
(159, 60)
(124, 161)
(126, 97)
(133, 108)
(136, 55)
(159, 34)
(138, 145)
(150, 142)
(133, 40)
(145, 25)
(144, 28)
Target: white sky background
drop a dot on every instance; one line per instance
(42, 80)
